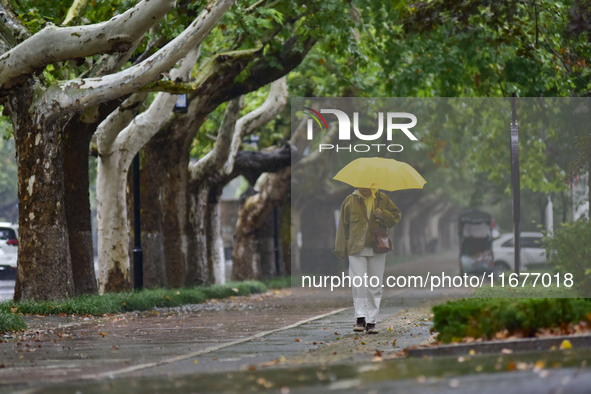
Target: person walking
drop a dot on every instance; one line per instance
(363, 213)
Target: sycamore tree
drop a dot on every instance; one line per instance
(40, 108)
(260, 44)
(68, 71)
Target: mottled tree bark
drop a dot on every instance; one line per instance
(151, 225)
(256, 209)
(198, 267)
(165, 210)
(44, 266)
(76, 140)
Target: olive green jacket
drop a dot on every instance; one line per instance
(353, 234)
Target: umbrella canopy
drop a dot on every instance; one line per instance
(380, 173)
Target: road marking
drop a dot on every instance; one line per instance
(210, 349)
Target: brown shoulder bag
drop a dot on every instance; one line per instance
(380, 242)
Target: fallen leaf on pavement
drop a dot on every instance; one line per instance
(566, 344)
(264, 382)
(273, 362)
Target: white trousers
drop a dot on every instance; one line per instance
(367, 298)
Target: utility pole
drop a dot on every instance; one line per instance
(515, 185)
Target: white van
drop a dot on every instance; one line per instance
(8, 249)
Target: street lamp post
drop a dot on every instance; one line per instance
(515, 185)
(138, 255)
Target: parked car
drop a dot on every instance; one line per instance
(532, 252)
(8, 250)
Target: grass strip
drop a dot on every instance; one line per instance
(278, 283)
(483, 318)
(98, 305)
(11, 322)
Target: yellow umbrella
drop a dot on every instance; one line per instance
(380, 173)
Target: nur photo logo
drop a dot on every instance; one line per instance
(391, 123)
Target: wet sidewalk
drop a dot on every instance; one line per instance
(239, 334)
(277, 342)
(320, 340)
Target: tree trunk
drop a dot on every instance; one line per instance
(151, 226)
(295, 231)
(246, 261)
(215, 244)
(44, 266)
(255, 210)
(113, 233)
(76, 141)
(270, 247)
(165, 209)
(177, 234)
(198, 272)
(285, 234)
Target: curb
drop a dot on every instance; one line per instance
(516, 345)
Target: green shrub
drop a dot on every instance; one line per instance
(570, 252)
(483, 318)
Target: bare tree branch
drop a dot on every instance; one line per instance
(109, 129)
(275, 101)
(213, 160)
(119, 129)
(80, 93)
(229, 140)
(209, 67)
(75, 12)
(116, 34)
(11, 30)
